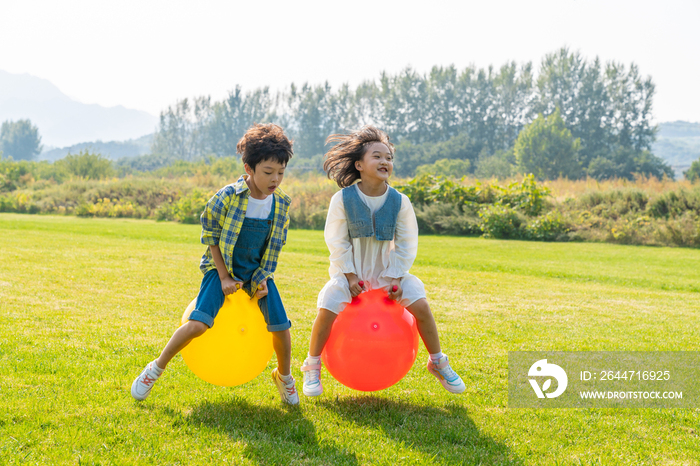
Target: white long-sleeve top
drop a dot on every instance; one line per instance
(373, 261)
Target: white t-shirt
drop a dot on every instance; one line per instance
(259, 208)
(373, 202)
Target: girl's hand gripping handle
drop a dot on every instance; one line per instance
(354, 284)
(394, 289)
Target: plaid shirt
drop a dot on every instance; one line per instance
(221, 223)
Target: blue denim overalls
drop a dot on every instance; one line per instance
(247, 256)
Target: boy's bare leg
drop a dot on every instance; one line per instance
(142, 385)
(426, 325)
(321, 331)
(282, 376)
(181, 338)
(282, 343)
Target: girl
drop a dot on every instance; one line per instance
(372, 235)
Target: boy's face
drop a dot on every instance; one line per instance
(266, 177)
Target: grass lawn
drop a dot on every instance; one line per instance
(86, 303)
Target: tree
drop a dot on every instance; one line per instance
(232, 117)
(314, 118)
(409, 156)
(499, 165)
(626, 162)
(174, 136)
(605, 107)
(693, 173)
(547, 149)
(20, 140)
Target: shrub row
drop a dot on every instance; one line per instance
(642, 212)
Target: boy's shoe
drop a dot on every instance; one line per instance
(312, 378)
(144, 382)
(447, 377)
(288, 390)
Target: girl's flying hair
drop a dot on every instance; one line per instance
(349, 148)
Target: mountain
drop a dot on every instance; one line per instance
(63, 121)
(678, 143)
(113, 149)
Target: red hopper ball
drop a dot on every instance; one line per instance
(373, 343)
(394, 288)
(361, 283)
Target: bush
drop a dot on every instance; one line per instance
(86, 165)
(525, 196)
(683, 230)
(503, 222)
(675, 203)
(310, 195)
(445, 219)
(614, 203)
(451, 168)
(646, 211)
(189, 208)
(20, 202)
(109, 208)
(548, 227)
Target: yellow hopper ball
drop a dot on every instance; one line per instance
(236, 349)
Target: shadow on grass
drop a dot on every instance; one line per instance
(446, 433)
(271, 435)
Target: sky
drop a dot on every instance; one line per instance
(148, 54)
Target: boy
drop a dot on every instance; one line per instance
(244, 226)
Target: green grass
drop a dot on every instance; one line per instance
(85, 303)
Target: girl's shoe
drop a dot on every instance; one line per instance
(447, 377)
(312, 377)
(288, 390)
(144, 382)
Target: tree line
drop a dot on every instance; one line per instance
(590, 118)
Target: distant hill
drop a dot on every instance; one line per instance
(62, 121)
(678, 143)
(113, 149)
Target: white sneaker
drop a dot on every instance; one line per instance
(144, 382)
(447, 377)
(312, 378)
(287, 390)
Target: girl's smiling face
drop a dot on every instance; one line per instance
(377, 163)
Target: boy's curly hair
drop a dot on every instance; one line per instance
(340, 160)
(264, 142)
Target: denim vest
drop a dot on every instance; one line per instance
(360, 221)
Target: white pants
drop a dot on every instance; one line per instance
(335, 295)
